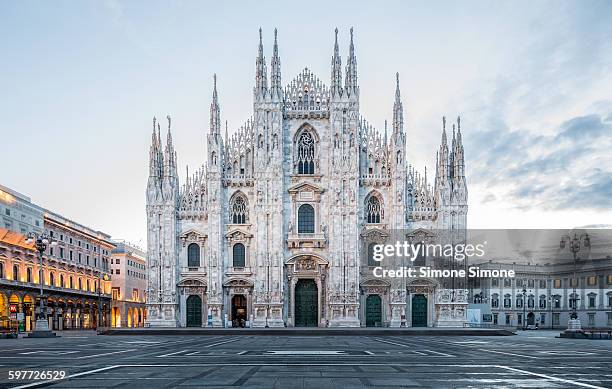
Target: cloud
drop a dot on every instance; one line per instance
(540, 132)
(571, 169)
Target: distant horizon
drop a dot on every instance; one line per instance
(532, 84)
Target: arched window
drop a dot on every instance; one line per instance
(62, 281)
(306, 154)
(80, 284)
(543, 301)
(15, 273)
(87, 284)
(373, 210)
(51, 279)
(306, 219)
(239, 255)
(29, 274)
(71, 283)
(238, 209)
(519, 302)
(193, 255)
(1, 269)
(507, 301)
(495, 301)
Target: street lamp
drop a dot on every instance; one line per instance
(574, 245)
(524, 292)
(41, 241)
(100, 278)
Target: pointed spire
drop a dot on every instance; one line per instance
(459, 129)
(155, 153)
(275, 75)
(398, 109)
(169, 136)
(443, 162)
(154, 140)
(226, 136)
(215, 112)
(444, 141)
(261, 81)
(351, 68)
(336, 76)
(458, 159)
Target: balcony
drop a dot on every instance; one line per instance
(239, 271)
(302, 240)
(193, 271)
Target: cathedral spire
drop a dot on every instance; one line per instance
(443, 162)
(398, 109)
(444, 140)
(336, 76)
(275, 75)
(459, 162)
(351, 68)
(169, 136)
(261, 81)
(215, 112)
(170, 154)
(155, 155)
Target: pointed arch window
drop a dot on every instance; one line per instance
(306, 219)
(238, 255)
(306, 154)
(193, 255)
(373, 210)
(238, 210)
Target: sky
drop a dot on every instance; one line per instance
(532, 81)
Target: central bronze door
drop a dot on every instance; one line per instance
(419, 311)
(194, 311)
(306, 303)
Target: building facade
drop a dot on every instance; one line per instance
(18, 213)
(70, 287)
(128, 280)
(271, 229)
(71, 270)
(544, 294)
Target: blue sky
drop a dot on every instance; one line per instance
(80, 82)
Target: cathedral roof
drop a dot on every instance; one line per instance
(306, 92)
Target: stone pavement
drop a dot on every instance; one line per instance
(531, 359)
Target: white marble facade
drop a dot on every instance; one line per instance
(289, 202)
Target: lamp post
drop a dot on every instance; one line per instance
(100, 278)
(575, 243)
(524, 292)
(550, 303)
(41, 241)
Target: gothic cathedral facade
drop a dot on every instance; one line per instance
(271, 229)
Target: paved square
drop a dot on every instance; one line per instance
(532, 359)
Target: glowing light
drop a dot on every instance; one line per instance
(7, 197)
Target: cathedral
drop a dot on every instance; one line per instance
(276, 227)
